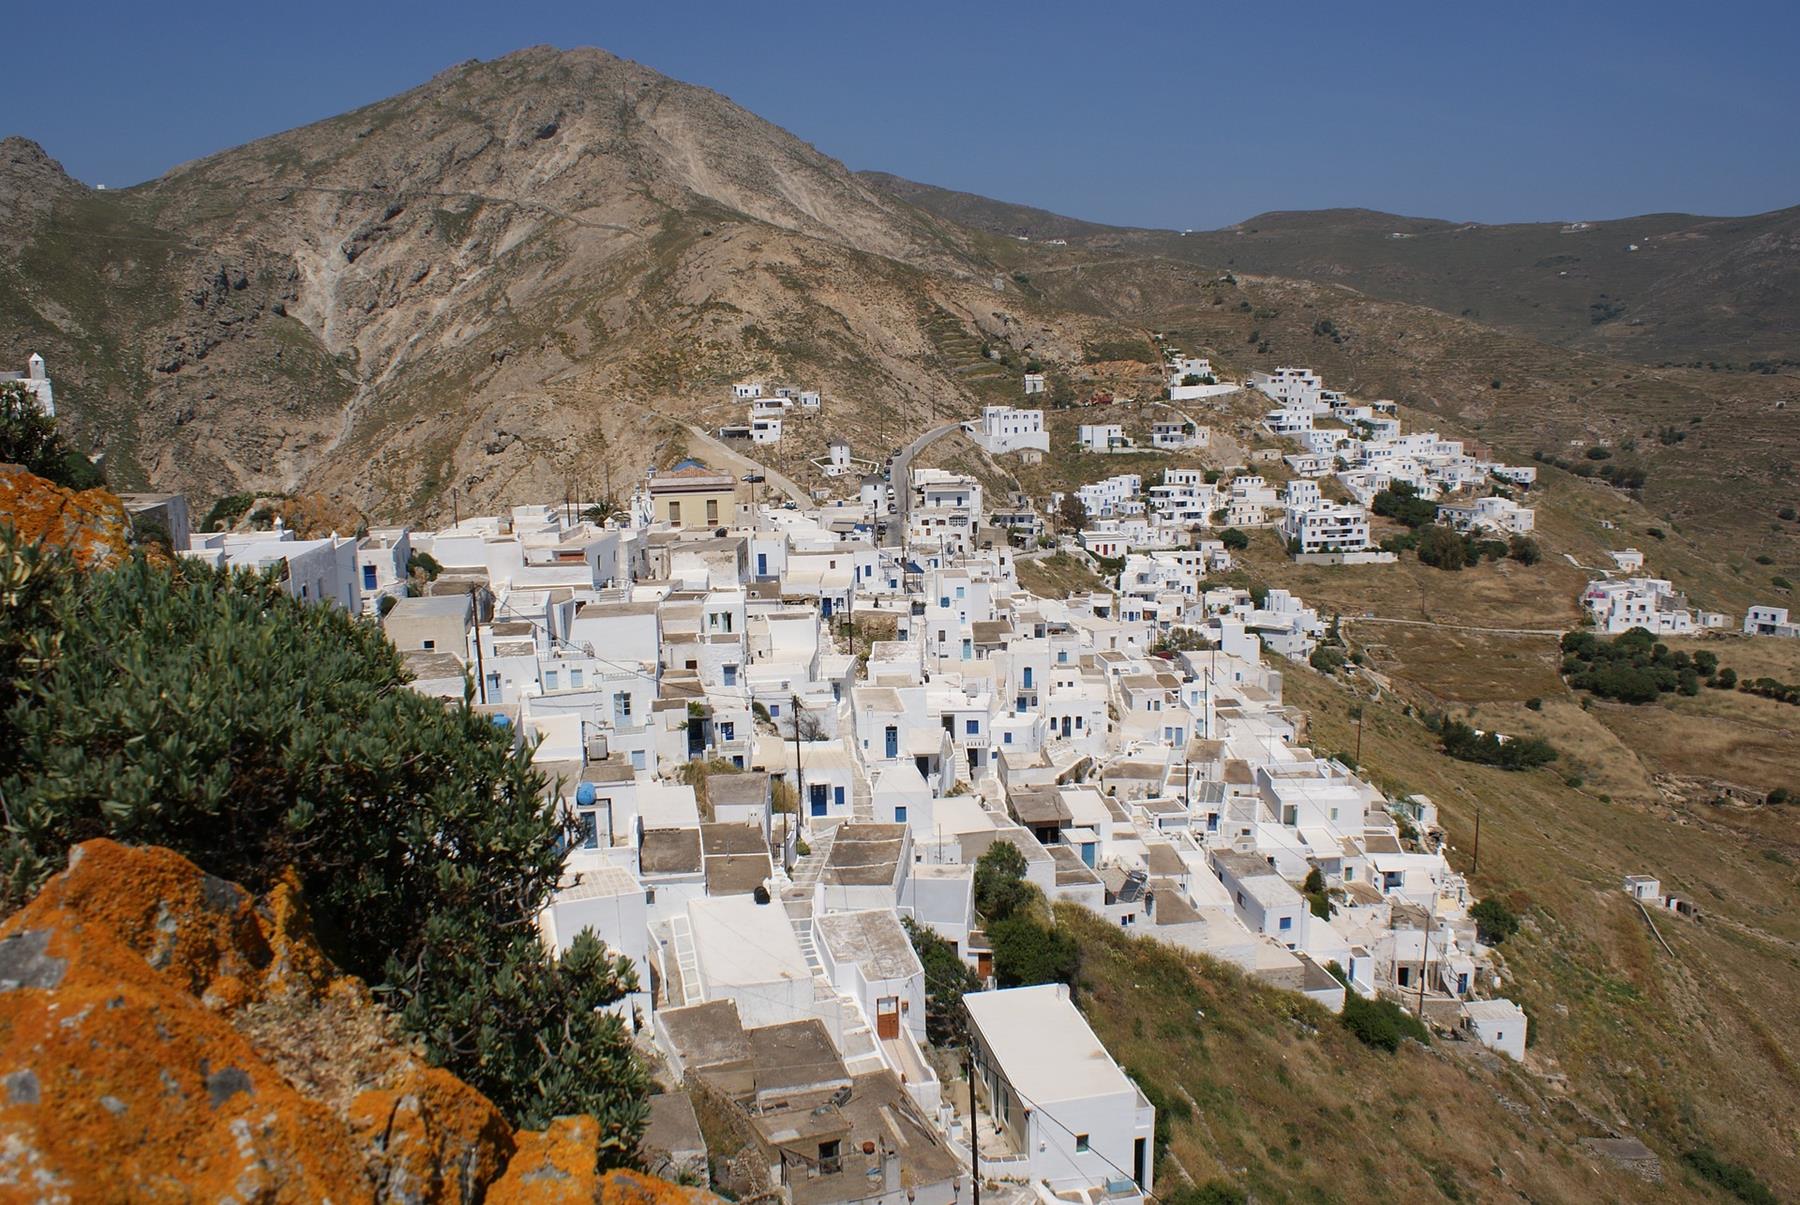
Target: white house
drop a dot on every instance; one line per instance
(1174, 436)
(1294, 388)
(1101, 437)
(1004, 429)
(1327, 527)
(1497, 514)
(311, 570)
(1499, 1025)
(36, 380)
(1769, 621)
(1034, 383)
(1056, 1094)
(1639, 602)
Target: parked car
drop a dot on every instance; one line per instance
(753, 478)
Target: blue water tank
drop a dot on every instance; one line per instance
(584, 794)
(501, 721)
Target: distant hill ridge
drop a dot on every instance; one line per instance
(1656, 287)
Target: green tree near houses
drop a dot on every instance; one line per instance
(214, 714)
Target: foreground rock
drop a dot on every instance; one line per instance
(165, 1035)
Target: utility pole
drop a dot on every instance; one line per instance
(1425, 959)
(1475, 862)
(455, 508)
(974, 1125)
(1359, 726)
(480, 661)
(799, 770)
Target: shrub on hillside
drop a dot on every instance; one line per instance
(1381, 1023)
(217, 716)
(1494, 921)
(1027, 951)
(1734, 1178)
(29, 438)
(1633, 667)
(947, 977)
(1401, 502)
(1234, 539)
(1462, 742)
(1442, 548)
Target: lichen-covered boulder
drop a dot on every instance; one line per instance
(165, 1036)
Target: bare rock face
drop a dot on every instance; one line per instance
(164, 1034)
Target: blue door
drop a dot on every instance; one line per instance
(893, 741)
(762, 564)
(837, 798)
(825, 607)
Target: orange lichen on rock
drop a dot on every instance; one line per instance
(430, 1137)
(560, 1163)
(114, 1078)
(91, 525)
(162, 1034)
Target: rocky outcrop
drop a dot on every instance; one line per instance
(91, 525)
(163, 1033)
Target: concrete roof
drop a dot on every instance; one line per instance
(747, 790)
(865, 854)
(670, 851)
(445, 606)
(706, 1035)
(1043, 1045)
(740, 941)
(874, 940)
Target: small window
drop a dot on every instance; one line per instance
(1081, 1142)
(900, 813)
(428, 644)
(1287, 922)
(575, 678)
(637, 759)
(550, 680)
(974, 727)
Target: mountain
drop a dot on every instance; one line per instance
(520, 274)
(1658, 288)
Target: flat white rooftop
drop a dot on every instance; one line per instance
(1044, 1046)
(740, 941)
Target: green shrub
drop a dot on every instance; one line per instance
(1380, 1023)
(1234, 539)
(1734, 1178)
(1029, 951)
(1442, 548)
(1525, 550)
(947, 977)
(30, 438)
(1401, 502)
(1462, 742)
(1494, 921)
(218, 716)
(1326, 659)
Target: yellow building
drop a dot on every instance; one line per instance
(694, 496)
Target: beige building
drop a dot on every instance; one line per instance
(436, 624)
(693, 497)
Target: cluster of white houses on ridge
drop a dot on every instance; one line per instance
(855, 780)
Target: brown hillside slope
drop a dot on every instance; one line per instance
(1651, 288)
(164, 1033)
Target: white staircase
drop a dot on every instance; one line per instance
(687, 962)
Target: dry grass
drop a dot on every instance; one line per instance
(1676, 1049)
(1267, 1091)
(1058, 575)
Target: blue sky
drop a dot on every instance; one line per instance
(1184, 115)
